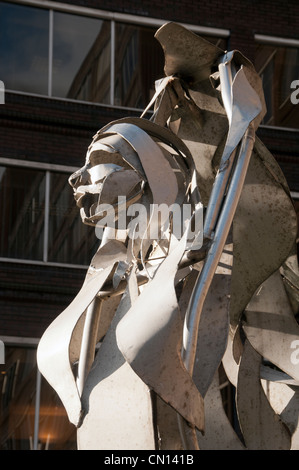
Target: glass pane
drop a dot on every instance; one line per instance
(139, 62)
(278, 68)
(18, 407)
(24, 47)
(22, 199)
(81, 58)
(55, 430)
(17, 385)
(70, 241)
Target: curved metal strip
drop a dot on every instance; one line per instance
(240, 111)
(117, 404)
(285, 402)
(213, 331)
(262, 428)
(229, 362)
(169, 437)
(220, 221)
(271, 327)
(264, 230)
(160, 176)
(222, 230)
(53, 356)
(164, 135)
(149, 337)
(189, 55)
(219, 433)
(123, 148)
(59, 343)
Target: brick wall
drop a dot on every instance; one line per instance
(32, 296)
(49, 130)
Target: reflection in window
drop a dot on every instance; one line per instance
(17, 381)
(55, 430)
(70, 241)
(139, 61)
(278, 66)
(24, 211)
(18, 386)
(22, 200)
(24, 47)
(78, 44)
(77, 62)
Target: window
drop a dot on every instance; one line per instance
(39, 218)
(70, 241)
(138, 64)
(22, 196)
(76, 41)
(81, 57)
(278, 66)
(24, 47)
(295, 196)
(32, 416)
(46, 52)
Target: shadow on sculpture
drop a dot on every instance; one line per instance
(196, 270)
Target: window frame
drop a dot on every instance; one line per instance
(47, 168)
(31, 343)
(113, 17)
(277, 41)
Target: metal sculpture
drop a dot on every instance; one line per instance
(168, 300)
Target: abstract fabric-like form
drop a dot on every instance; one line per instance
(196, 271)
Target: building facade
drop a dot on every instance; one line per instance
(67, 69)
